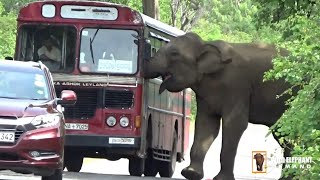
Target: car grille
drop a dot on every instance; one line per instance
(8, 117)
(85, 106)
(118, 99)
(10, 157)
(18, 134)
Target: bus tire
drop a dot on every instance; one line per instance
(151, 165)
(167, 168)
(73, 163)
(136, 166)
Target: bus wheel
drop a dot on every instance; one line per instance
(73, 162)
(136, 166)
(166, 168)
(150, 168)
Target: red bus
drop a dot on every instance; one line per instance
(97, 49)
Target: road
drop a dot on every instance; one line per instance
(252, 140)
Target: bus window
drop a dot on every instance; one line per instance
(108, 51)
(53, 45)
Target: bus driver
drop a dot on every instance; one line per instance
(50, 54)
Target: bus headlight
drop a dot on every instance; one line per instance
(111, 121)
(124, 122)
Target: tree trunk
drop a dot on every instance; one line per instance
(151, 8)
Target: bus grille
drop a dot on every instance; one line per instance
(85, 106)
(118, 99)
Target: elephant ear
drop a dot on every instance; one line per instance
(214, 55)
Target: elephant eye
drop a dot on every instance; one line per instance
(174, 53)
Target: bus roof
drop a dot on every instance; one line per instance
(161, 26)
(127, 18)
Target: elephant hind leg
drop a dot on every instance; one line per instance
(206, 130)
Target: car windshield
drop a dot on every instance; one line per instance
(108, 51)
(23, 85)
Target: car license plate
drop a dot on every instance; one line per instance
(77, 126)
(121, 140)
(6, 136)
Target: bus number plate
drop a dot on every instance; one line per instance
(77, 126)
(121, 140)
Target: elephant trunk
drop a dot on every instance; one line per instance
(152, 68)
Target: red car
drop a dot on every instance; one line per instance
(31, 120)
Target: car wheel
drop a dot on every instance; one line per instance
(136, 166)
(151, 165)
(73, 163)
(166, 168)
(57, 175)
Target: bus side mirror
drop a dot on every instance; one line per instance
(147, 50)
(8, 58)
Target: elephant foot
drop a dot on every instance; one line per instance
(224, 177)
(191, 174)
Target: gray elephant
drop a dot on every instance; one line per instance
(228, 81)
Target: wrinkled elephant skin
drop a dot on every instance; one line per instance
(228, 81)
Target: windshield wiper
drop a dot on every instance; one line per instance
(8, 97)
(91, 41)
(22, 98)
(43, 105)
(38, 99)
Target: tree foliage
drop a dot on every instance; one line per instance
(300, 124)
(7, 33)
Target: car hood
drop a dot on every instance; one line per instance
(21, 107)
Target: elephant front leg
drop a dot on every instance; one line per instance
(206, 130)
(233, 126)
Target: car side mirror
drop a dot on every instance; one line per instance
(147, 50)
(8, 58)
(67, 97)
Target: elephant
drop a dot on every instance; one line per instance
(259, 161)
(227, 79)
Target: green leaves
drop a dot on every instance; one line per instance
(7, 34)
(300, 124)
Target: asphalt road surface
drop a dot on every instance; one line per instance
(252, 140)
(7, 175)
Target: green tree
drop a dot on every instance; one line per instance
(300, 124)
(7, 33)
(13, 6)
(228, 20)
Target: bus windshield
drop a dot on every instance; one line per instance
(108, 51)
(53, 45)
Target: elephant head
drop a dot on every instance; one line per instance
(184, 61)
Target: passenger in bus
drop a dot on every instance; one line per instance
(50, 54)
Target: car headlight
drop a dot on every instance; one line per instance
(111, 121)
(45, 121)
(124, 122)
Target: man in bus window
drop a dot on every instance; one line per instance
(50, 54)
